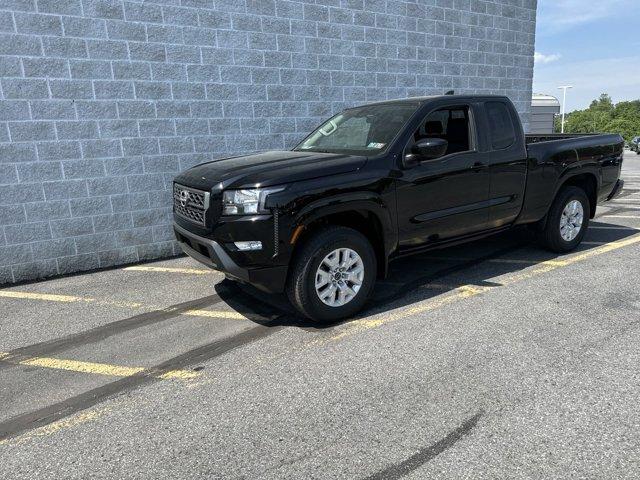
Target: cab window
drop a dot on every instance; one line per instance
(501, 128)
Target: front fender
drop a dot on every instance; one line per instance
(366, 202)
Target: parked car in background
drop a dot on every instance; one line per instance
(634, 146)
(386, 180)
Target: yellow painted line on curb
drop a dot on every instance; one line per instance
(98, 368)
(468, 291)
(47, 297)
(191, 271)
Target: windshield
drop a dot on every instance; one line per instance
(364, 130)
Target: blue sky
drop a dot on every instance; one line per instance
(593, 45)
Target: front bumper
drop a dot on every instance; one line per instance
(270, 279)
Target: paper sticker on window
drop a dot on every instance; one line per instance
(376, 145)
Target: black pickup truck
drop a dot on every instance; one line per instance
(322, 222)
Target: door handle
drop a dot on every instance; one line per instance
(477, 166)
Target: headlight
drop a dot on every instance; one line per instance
(246, 202)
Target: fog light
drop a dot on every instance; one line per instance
(246, 246)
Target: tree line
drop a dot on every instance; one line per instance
(603, 116)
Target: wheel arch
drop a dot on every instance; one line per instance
(368, 216)
(587, 181)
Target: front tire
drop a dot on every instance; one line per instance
(567, 221)
(333, 274)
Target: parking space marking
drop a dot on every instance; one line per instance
(501, 260)
(216, 314)
(78, 419)
(192, 271)
(621, 216)
(47, 415)
(459, 293)
(97, 368)
(612, 227)
(467, 291)
(230, 315)
(49, 297)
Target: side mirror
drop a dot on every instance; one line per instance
(430, 148)
(427, 149)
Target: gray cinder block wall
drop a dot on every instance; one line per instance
(103, 101)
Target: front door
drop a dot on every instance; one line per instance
(449, 196)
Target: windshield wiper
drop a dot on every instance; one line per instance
(317, 150)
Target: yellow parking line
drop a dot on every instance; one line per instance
(192, 271)
(134, 305)
(459, 293)
(215, 314)
(612, 227)
(43, 296)
(49, 297)
(96, 368)
(503, 260)
(468, 291)
(54, 427)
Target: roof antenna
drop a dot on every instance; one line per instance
(450, 92)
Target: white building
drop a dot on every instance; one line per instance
(544, 108)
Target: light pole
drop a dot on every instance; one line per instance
(564, 89)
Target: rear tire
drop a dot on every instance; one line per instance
(333, 274)
(567, 221)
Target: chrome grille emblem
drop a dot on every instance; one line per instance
(184, 198)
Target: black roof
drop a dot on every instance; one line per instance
(423, 99)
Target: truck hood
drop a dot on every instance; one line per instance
(269, 168)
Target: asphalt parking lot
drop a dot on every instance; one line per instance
(490, 360)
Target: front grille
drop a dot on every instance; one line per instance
(190, 204)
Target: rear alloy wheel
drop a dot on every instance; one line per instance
(567, 221)
(333, 274)
(571, 220)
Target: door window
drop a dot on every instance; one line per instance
(451, 124)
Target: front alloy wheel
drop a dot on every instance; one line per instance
(339, 277)
(333, 274)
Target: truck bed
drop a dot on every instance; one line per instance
(551, 137)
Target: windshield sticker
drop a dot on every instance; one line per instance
(328, 128)
(376, 145)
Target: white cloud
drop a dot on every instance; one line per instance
(542, 58)
(557, 15)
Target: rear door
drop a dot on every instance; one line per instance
(506, 154)
(446, 197)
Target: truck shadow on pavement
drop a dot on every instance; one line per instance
(424, 276)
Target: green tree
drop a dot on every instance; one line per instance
(603, 104)
(603, 116)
